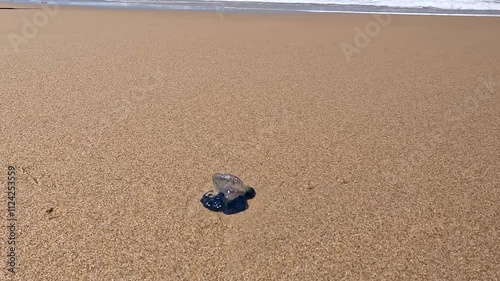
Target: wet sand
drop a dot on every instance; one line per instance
(384, 166)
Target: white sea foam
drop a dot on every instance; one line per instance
(441, 4)
(419, 7)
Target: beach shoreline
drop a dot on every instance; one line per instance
(265, 7)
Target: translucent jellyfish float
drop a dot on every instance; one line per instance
(232, 195)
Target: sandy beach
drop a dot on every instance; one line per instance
(379, 165)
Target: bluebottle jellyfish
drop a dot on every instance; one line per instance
(231, 197)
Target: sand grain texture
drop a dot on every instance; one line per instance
(385, 167)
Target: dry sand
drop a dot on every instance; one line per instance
(384, 167)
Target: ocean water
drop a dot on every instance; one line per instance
(427, 7)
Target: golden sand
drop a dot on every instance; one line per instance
(381, 167)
